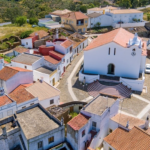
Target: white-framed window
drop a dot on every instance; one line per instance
(109, 51)
(1, 115)
(114, 51)
(93, 125)
(110, 130)
(51, 140)
(58, 67)
(83, 133)
(85, 21)
(63, 60)
(31, 104)
(25, 67)
(67, 60)
(83, 29)
(23, 107)
(26, 43)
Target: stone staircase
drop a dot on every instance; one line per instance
(117, 90)
(69, 26)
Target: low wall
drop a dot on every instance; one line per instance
(136, 85)
(88, 78)
(137, 24)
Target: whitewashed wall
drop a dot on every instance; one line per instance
(96, 60)
(46, 102)
(27, 43)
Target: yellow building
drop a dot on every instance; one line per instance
(75, 21)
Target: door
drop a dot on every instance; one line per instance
(111, 69)
(64, 68)
(71, 109)
(77, 50)
(53, 81)
(70, 59)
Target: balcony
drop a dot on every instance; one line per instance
(80, 24)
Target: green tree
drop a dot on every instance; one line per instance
(83, 8)
(125, 3)
(33, 21)
(21, 20)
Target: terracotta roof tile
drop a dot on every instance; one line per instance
(20, 49)
(122, 120)
(57, 54)
(119, 36)
(8, 72)
(4, 100)
(66, 43)
(75, 15)
(51, 60)
(135, 139)
(20, 94)
(78, 122)
(125, 11)
(41, 33)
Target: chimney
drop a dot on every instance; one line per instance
(147, 123)
(56, 33)
(4, 133)
(127, 126)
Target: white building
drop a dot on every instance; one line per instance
(88, 129)
(118, 53)
(11, 77)
(115, 17)
(47, 94)
(7, 106)
(100, 10)
(28, 61)
(32, 128)
(103, 19)
(1, 63)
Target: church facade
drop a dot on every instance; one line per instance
(118, 53)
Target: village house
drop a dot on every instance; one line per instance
(22, 97)
(7, 106)
(2, 63)
(28, 61)
(115, 17)
(20, 130)
(11, 77)
(88, 129)
(106, 59)
(124, 139)
(47, 94)
(19, 50)
(75, 21)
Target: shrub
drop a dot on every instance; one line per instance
(3, 46)
(148, 17)
(73, 114)
(21, 20)
(33, 21)
(25, 34)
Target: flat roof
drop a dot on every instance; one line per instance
(43, 90)
(94, 15)
(45, 70)
(26, 59)
(99, 105)
(35, 122)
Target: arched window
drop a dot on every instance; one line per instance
(111, 69)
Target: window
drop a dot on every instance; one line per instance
(85, 21)
(109, 51)
(1, 115)
(25, 67)
(32, 104)
(83, 133)
(71, 49)
(133, 49)
(26, 43)
(110, 130)
(40, 144)
(67, 60)
(83, 29)
(58, 67)
(51, 140)
(94, 125)
(75, 50)
(23, 107)
(52, 101)
(110, 148)
(63, 60)
(80, 107)
(114, 51)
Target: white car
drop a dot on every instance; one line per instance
(147, 68)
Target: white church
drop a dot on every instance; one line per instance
(118, 53)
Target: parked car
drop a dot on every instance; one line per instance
(147, 69)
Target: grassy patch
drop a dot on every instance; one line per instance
(6, 58)
(12, 29)
(145, 12)
(73, 114)
(101, 29)
(4, 45)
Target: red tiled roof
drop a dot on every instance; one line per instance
(135, 139)
(66, 43)
(6, 62)
(122, 120)
(20, 49)
(20, 94)
(8, 72)
(75, 15)
(119, 36)
(4, 100)
(41, 33)
(51, 60)
(57, 54)
(78, 122)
